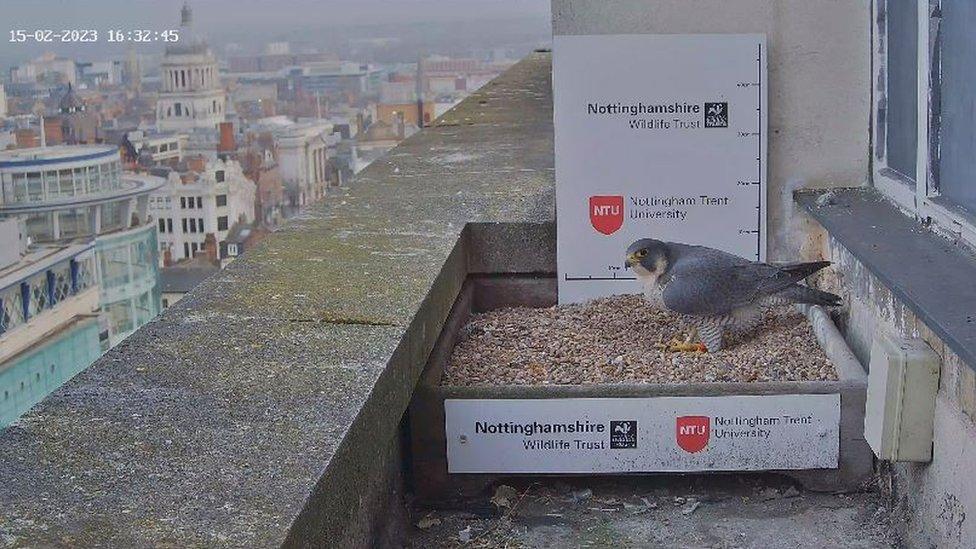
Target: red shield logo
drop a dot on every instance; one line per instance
(607, 213)
(692, 433)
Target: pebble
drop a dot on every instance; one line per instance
(582, 495)
(616, 340)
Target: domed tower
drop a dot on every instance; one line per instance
(77, 124)
(190, 94)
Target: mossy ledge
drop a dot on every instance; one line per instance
(264, 409)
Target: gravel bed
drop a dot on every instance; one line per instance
(615, 340)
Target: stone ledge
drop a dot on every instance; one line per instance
(257, 411)
(915, 264)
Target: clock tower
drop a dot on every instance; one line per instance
(190, 95)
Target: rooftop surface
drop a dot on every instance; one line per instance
(182, 279)
(248, 413)
(754, 511)
(41, 257)
(132, 184)
(39, 156)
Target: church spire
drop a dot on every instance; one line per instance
(186, 15)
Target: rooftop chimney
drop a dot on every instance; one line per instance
(401, 129)
(210, 248)
(196, 163)
(227, 143)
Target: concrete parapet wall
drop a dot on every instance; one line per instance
(264, 409)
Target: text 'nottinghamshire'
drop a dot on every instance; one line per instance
(634, 109)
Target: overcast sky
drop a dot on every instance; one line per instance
(257, 13)
(232, 20)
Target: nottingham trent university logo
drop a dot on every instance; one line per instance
(716, 115)
(692, 433)
(607, 213)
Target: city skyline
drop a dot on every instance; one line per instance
(229, 139)
(252, 22)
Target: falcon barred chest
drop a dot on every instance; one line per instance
(719, 292)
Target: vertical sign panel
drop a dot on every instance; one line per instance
(660, 136)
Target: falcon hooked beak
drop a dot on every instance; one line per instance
(630, 261)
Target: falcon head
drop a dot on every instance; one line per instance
(648, 258)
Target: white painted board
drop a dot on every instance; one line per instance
(660, 136)
(629, 435)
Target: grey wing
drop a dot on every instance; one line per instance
(714, 284)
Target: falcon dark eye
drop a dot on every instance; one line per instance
(641, 254)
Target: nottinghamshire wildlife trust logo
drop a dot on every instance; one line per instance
(623, 434)
(716, 115)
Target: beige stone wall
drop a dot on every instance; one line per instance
(819, 54)
(931, 500)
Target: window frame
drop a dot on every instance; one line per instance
(921, 198)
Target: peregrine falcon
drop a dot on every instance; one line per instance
(720, 290)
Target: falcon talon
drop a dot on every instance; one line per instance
(682, 347)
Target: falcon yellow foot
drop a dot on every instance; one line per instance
(678, 346)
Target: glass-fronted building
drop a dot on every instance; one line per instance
(56, 317)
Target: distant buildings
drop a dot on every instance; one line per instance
(49, 320)
(46, 69)
(303, 161)
(78, 265)
(75, 124)
(3, 103)
(153, 149)
(274, 60)
(208, 199)
(101, 73)
(190, 94)
(445, 75)
(178, 280)
(399, 96)
(337, 77)
(446, 81)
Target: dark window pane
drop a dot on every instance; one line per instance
(902, 91)
(957, 161)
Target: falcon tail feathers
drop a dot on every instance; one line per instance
(799, 271)
(805, 294)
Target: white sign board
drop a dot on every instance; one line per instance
(660, 136)
(629, 435)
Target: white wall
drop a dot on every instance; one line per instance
(819, 80)
(13, 241)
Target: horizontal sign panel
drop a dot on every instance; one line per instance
(659, 434)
